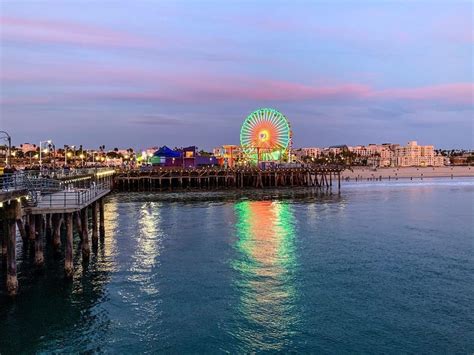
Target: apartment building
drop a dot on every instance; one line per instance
(416, 155)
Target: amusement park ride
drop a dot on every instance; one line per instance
(265, 140)
(266, 136)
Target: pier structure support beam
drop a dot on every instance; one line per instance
(32, 229)
(21, 229)
(12, 280)
(79, 223)
(3, 237)
(68, 263)
(101, 218)
(95, 225)
(40, 230)
(48, 228)
(56, 221)
(12, 213)
(86, 248)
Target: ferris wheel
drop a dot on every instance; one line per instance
(266, 135)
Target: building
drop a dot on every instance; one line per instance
(464, 159)
(28, 147)
(416, 155)
(183, 158)
(227, 155)
(312, 152)
(376, 155)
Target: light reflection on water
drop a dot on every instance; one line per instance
(266, 263)
(380, 268)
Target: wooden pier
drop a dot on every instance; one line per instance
(68, 204)
(36, 206)
(213, 179)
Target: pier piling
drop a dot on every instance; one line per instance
(12, 213)
(40, 231)
(101, 218)
(21, 229)
(95, 226)
(56, 222)
(86, 249)
(32, 229)
(68, 263)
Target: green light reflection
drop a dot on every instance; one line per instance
(266, 265)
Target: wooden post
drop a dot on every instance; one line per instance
(12, 213)
(86, 248)
(79, 223)
(40, 230)
(95, 235)
(12, 281)
(4, 233)
(48, 230)
(21, 229)
(68, 264)
(56, 221)
(32, 231)
(101, 218)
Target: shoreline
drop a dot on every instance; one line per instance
(359, 174)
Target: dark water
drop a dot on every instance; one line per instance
(384, 267)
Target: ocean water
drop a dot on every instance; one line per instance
(380, 268)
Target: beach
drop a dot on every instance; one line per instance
(365, 173)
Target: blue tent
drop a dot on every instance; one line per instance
(166, 152)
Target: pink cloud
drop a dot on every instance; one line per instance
(457, 93)
(94, 82)
(61, 32)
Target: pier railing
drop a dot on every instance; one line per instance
(13, 182)
(60, 174)
(71, 186)
(72, 198)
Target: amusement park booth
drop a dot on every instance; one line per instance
(184, 158)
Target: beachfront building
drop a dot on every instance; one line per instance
(377, 155)
(416, 155)
(311, 152)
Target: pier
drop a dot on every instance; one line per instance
(216, 178)
(39, 205)
(42, 208)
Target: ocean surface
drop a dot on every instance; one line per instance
(384, 267)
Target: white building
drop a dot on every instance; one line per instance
(417, 155)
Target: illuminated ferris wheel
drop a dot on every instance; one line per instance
(266, 135)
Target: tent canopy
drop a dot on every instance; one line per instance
(164, 151)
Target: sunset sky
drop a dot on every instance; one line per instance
(179, 73)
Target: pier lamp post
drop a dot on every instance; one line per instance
(65, 154)
(53, 154)
(49, 141)
(82, 159)
(4, 135)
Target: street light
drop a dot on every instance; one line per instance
(49, 141)
(7, 137)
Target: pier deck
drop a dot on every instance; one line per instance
(67, 201)
(212, 178)
(11, 195)
(43, 204)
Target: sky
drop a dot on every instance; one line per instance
(177, 73)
